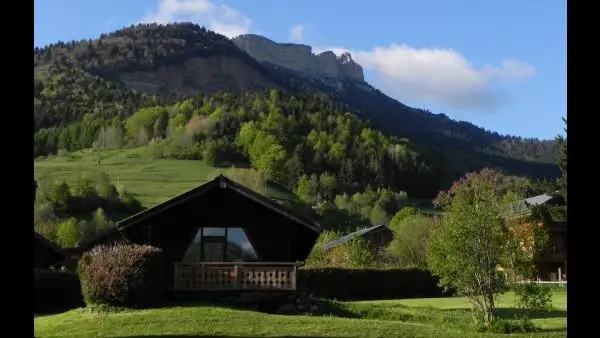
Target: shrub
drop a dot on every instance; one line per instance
(534, 297)
(55, 291)
(353, 254)
(364, 284)
(124, 275)
(523, 325)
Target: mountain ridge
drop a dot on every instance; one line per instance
(186, 60)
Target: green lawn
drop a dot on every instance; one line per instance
(446, 317)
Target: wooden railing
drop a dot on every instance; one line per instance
(235, 276)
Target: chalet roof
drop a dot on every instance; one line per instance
(523, 206)
(48, 244)
(350, 236)
(220, 182)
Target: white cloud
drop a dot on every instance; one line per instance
(442, 76)
(297, 33)
(219, 18)
(439, 75)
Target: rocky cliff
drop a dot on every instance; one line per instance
(300, 58)
(193, 75)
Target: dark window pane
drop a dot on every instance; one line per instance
(239, 247)
(213, 232)
(213, 252)
(193, 251)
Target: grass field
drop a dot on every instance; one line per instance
(152, 181)
(443, 317)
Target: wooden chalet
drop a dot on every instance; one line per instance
(221, 236)
(45, 253)
(552, 265)
(378, 237)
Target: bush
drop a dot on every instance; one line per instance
(523, 325)
(124, 275)
(365, 284)
(55, 291)
(534, 297)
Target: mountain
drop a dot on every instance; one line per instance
(145, 65)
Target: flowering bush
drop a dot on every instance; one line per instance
(125, 275)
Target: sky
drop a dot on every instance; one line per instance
(498, 64)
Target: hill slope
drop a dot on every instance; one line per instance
(145, 65)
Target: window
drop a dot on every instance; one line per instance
(239, 248)
(220, 245)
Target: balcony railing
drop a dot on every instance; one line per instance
(235, 276)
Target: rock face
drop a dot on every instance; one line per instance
(300, 58)
(209, 74)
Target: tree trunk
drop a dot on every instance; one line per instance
(490, 309)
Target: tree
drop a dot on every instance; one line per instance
(328, 184)
(304, 189)
(272, 162)
(378, 215)
(411, 240)
(471, 242)
(561, 160)
(402, 214)
(67, 233)
(100, 221)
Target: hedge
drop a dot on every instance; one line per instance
(55, 291)
(369, 284)
(123, 275)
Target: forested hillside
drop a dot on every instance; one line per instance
(358, 135)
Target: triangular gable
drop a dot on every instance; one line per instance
(220, 182)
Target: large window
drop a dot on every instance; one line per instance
(220, 245)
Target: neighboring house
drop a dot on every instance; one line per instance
(378, 237)
(552, 265)
(221, 236)
(45, 253)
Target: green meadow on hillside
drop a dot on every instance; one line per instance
(152, 181)
(439, 317)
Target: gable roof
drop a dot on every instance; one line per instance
(522, 207)
(351, 236)
(220, 182)
(48, 244)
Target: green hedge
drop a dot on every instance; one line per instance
(124, 275)
(55, 291)
(369, 284)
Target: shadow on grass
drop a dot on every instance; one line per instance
(512, 313)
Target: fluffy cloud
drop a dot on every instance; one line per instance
(219, 18)
(438, 75)
(297, 33)
(442, 76)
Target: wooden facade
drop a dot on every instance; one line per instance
(45, 253)
(378, 237)
(221, 236)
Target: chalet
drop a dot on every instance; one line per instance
(221, 236)
(45, 253)
(377, 236)
(552, 265)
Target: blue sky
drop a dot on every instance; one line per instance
(498, 64)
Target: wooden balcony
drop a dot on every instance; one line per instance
(235, 276)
